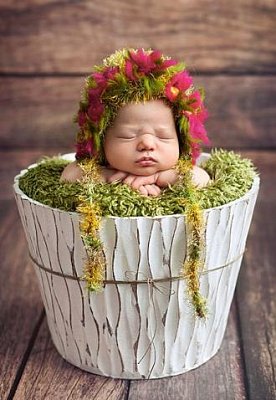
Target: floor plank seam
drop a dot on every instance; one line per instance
(76, 74)
(270, 358)
(128, 390)
(242, 352)
(26, 356)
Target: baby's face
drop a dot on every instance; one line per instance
(143, 139)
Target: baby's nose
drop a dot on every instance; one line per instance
(146, 142)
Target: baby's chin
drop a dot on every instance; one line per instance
(144, 171)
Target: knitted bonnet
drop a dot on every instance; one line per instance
(138, 75)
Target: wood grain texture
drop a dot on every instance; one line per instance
(58, 36)
(221, 378)
(47, 376)
(38, 112)
(256, 292)
(20, 301)
(13, 161)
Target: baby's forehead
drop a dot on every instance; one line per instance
(154, 111)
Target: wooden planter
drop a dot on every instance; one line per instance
(135, 330)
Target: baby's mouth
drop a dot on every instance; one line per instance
(146, 161)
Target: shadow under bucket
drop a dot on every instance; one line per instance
(142, 324)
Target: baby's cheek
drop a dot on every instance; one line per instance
(114, 153)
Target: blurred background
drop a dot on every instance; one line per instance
(47, 47)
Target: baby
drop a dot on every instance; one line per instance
(141, 149)
(142, 145)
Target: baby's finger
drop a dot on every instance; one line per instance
(153, 190)
(142, 181)
(129, 180)
(143, 190)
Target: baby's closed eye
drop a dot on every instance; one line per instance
(126, 136)
(165, 135)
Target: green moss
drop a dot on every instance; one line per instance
(231, 175)
(42, 183)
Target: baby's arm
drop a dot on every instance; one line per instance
(200, 178)
(146, 185)
(73, 172)
(163, 179)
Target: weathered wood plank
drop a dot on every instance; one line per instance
(48, 376)
(256, 292)
(38, 112)
(12, 162)
(241, 111)
(20, 303)
(57, 36)
(220, 378)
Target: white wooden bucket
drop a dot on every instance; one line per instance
(144, 330)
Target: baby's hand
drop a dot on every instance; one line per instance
(151, 185)
(135, 181)
(144, 184)
(149, 190)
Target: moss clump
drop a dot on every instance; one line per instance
(42, 183)
(231, 175)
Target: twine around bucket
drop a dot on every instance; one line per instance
(147, 280)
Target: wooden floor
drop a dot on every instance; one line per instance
(244, 368)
